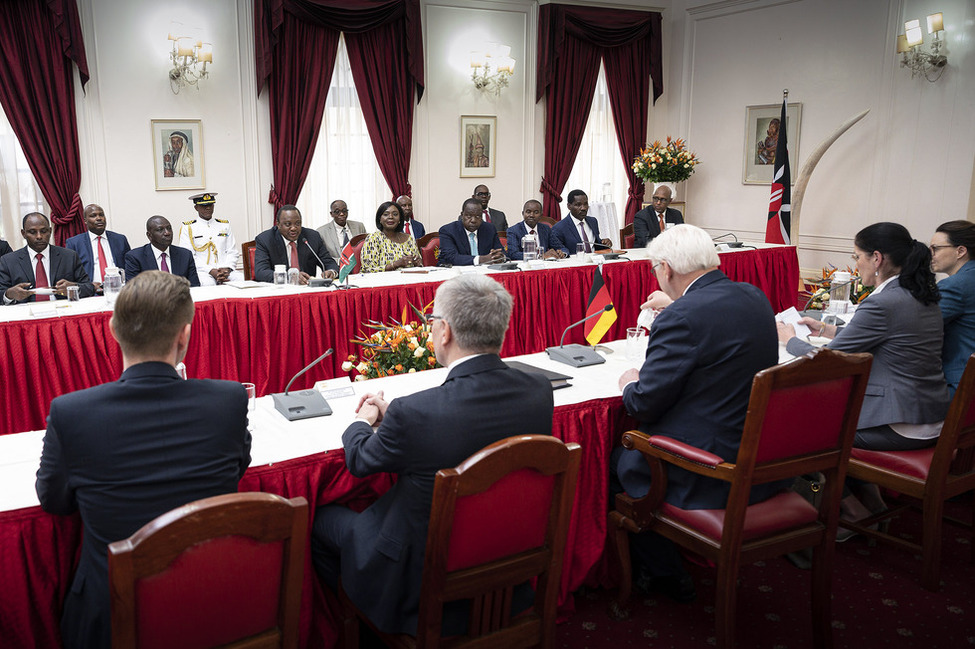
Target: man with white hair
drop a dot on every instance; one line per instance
(705, 347)
(379, 553)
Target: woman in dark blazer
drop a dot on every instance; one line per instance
(900, 324)
(951, 252)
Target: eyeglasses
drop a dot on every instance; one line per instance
(935, 249)
(487, 194)
(431, 317)
(661, 199)
(653, 269)
(340, 211)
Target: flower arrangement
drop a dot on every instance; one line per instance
(665, 163)
(402, 347)
(818, 298)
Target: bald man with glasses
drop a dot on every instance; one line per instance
(652, 220)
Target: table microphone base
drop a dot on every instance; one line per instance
(303, 404)
(575, 355)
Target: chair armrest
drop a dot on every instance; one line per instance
(685, 451)
(685, 456)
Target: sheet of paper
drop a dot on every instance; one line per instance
(792, 317)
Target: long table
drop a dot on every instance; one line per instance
(266, 335)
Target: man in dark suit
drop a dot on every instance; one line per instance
(287, 243)
(123, 453)
(461, 239)
(581, 228)
(39, 265)
(379, 553)
(91, 245)
(4, 248)
(411, 226)
(647, 222)
(160, 254)
(705, 347)
(530, 226)
(495, 217)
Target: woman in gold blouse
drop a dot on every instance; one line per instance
(389, 248)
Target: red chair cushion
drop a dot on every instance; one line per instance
(629, 240)
(915, 464)
(781, 512)
(251, 252)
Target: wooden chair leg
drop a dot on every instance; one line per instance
(622, 546)
(932, 524)
(726, 597)
(821, 595)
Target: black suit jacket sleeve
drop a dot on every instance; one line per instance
(263, 266)
(5, 248)
(78, 275)
(53, 489)
(642, 229)
(191, 271)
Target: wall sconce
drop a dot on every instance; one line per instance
(493, 66)
(189, 57)
(914, 57)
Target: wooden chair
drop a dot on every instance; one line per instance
(627, 237)
(930, 475)
(503, 236)
(546, 219)
(479, 547)
(429, 245)
(247, 252)
(223, 571)
(356, 242)
(781, 439)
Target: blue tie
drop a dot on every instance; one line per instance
(473, 238)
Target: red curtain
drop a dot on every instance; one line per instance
(571, 41)
(296, 41)
(40, 41)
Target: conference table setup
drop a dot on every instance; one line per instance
(265, 335)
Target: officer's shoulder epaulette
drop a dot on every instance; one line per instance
(190, 222)
(222, 221)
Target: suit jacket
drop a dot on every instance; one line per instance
(695, 384)
(382, 554)
(269, 252)
(958, 310)
(542, 230)
(646, 227)
(332, 242)
(498, 219)
(123, 453)
(17, 267)
(4, 248)
(81, 243)
(417, 229)
(455, 246)
(144, 258)
(906, 384)
(565, 234)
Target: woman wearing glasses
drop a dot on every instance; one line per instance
(951, 252)
(900, 324)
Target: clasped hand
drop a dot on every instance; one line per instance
(372, 408)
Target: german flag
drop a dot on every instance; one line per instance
(598, 300)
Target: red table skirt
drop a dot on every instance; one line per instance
(267, 340)
(38, 550)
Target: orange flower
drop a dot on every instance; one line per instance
(431, 361)
(399, 367)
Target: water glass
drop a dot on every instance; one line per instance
(251, 396)
(529, 247)
(581, 251)
(74, 294)
(293, 277)
(636, 344)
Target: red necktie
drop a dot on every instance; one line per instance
(487, 216)
(102, 263)
(585, 238)
(163, 266)
(40, 278)
(663, 224)
(406, 228)
(294, 254)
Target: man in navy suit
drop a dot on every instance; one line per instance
(578, 229)
(39, 265)
(411, 227)
(705, 348)
(469, 241)
(287, 243)
(490, 215)
(91, 245)
(379, 553)
(123, 453)
(160, 254)
(530, 225)
(646, 222)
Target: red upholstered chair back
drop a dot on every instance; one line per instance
(248, 248)
(223, 571)
(356, 242)
(503, 236)
(429, 245)
(627, 237)
(497, 520)
(547, 220)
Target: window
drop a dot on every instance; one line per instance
(19, 193)
(344, 165)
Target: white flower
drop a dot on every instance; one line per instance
(362, 367)
(419, 352)
(414, 341)
(361, 377)
(347, 366)
(407, 327)
(412, 370)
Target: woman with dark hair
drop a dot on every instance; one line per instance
(389, 248)
(952, 247)
(900, 324)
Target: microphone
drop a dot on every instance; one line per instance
(577, 355)
(601, 245)
(304, 404)
(321, 263)
(731, 244)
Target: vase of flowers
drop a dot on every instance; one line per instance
(816, 290)
(666, 163)
(402, 347)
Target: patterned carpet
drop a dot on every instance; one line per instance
(877, 602)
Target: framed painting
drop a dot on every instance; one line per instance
(177, 153)
(478, 145)
(761, 137)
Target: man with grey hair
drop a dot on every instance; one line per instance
(379, 553)
(705, 347)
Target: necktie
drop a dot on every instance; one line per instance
(102, 263)
(585, 238)
(406, 228)
(473, 238)
(487, 216)
(294, 254)
(345, 237)
(40, 278)
(163, 266)
(663, 223)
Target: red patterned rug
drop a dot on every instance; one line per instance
(877, 602)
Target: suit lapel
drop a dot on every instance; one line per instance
(26, 263)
